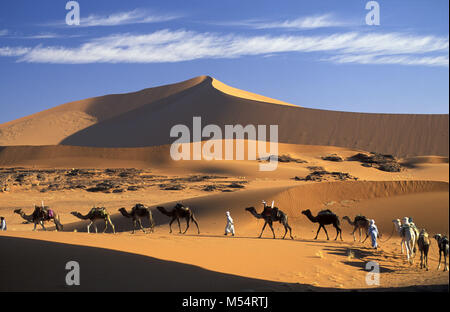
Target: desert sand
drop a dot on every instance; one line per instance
(113, 151)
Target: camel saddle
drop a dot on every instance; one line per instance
(269, 211)
(99, 210)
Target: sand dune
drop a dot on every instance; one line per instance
(145, 118)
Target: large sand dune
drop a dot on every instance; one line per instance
(145, 118)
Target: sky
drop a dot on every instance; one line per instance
(320, 54)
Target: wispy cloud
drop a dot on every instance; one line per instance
(3, 32)
(441, 60)
(307, 22)
(136, 16)
(181, 45)
(13, 51)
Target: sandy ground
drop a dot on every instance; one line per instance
(161, 261)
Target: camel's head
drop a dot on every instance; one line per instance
(423, 232)
(437, 237)
(179, 205)
(250, 209)
(306, 212)
(122, 209)
(73, 213)
(396, 221)
(18, 211)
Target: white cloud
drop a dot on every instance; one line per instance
(441, 60)
(181, 45)
(3, 32)
(13, 51)
(136, 16)
(122, 18)
(301, 23)
(308, 22)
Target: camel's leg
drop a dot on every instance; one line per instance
(445, 260)
(35, 223)
(187, 224)
(421, 259)
(112, 225)
(89, 226)
(95, 227)
(265, 223)
(367, 235)
(134, 226)
(150, 221)
(286, 228)
(317, 234)
(271, 227)
(42, 224)
(440, 255)
(179, 225)
(359, 234)
(106, 226)
(290, 231)
(196, 224)
(170, 224)
(325, 229)
(140, 225)
(338, 231)
(353, 233)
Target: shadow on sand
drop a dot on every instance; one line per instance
(34, 265)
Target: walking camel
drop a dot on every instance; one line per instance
(408, 236)
(359, 223)
(40, 215)
(424, 245)
(96, 213)
(324, 217)
(137, 212)
(270, 215)
(442, 242)
(180, 211)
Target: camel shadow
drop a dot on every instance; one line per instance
(362, 257)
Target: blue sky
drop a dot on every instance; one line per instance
(318, 54)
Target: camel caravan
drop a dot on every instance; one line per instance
(411, 238)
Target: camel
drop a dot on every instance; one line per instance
(137, 212)
(96, 213)
(179, 211)
(359, 223)
(424, 245)
(271, 214)
(442, 242)
(408, 238)
(324, 217)
(40, 215)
